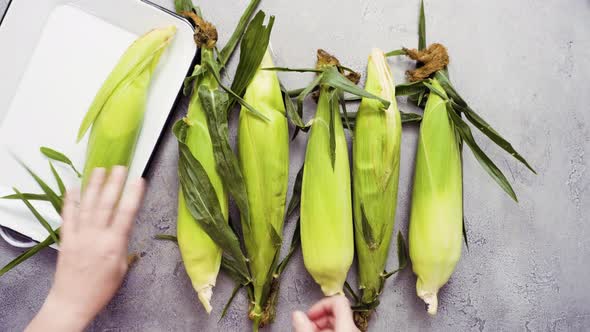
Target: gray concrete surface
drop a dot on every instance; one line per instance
(523, 65)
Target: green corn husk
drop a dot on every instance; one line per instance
(201, 256)
(437, 224)
(209, 171)
(436, 221)
(263, 147)
(116, 114)
(326, 208)
(376, 160)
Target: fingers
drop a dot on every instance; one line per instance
(70, 212)
(301, 323)
(110, 196)
(129, 206)
(333, 305)
(91, 195)
(332, 313)
(102, 205)
(341, 306)
(324, 323)
(343, 320)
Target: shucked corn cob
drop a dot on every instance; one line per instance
(376, 158)
(437, 202)
(200, 255)
(264, 160)
(326, 210)
(116, 114)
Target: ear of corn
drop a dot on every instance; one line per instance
(376, 157)
(437, 208)
(263, 147)
(200, 254)
(326, 210)
(116, 114)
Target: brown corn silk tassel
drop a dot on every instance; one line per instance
(434, 58)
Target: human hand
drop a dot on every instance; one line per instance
(329, 314)
(92, 261)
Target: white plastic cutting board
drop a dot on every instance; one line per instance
(55, 56)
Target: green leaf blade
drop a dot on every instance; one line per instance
(166, 237)
(487, 164)
(28, 196)
(189, 82)
(203, 203)
(215, 105)
(351, 292)
(26, 255)
(465, 234)
(55, 200)
(275, 237)
(38, 216)
(58, 180)
(403, 256)
(422, 28)
(291, 109)
(306, 91)
(233, 41)
(295, 243)
(233, 94)
(436, 91)
(296, 196)
(492, 134)
(402, 252)
(344, 110)
(351, 118)
(410, 117)
(183, 6)
(60, 157)
(368, 234)
(231, 300)
(395, 53)
(332, 77)
(444, 81)
(460, 105)
(333, 113)
(407, 89)
(252, 50)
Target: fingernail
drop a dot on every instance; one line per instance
(98, 171)
(298, 318)
(119, 170)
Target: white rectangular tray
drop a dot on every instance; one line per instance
(55, 56)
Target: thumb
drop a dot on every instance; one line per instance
(301, 322)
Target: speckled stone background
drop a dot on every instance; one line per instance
(523, 65)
